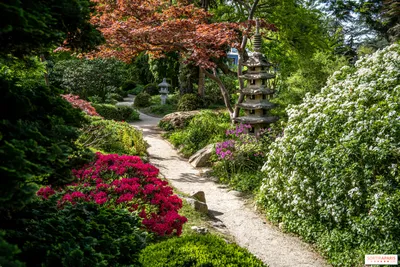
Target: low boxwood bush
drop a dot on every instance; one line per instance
(142, 100)
(118, 113)
(84, 234)
(189, 102)
(205, 128)
(197, 250)
(112, 137)
(334, 176)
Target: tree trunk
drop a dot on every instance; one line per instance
(202, 76)
(224, 91)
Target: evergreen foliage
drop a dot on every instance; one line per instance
(100, 78)
(32, 27)
(84, 234)
(38, 130)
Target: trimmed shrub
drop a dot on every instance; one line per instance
(118, 113)
(334, 176)
(197, 250)
(205, 128)
(151, 89)
(84, 234)
(112, 137)
(142, 100)
(189, 102)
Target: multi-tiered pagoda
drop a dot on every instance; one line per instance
(257, 93)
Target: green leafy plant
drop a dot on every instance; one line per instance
(151, 89)
(137, 90)
(38, 130)
(189, 102)
(88, 78)
(128, 86)
(205, 128)
(142, 100)
(197, 250)
(112, 137)
(334, 176)
(238, 160)
(78, 235)
(118, 113)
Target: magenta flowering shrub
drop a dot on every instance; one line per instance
(126, 182)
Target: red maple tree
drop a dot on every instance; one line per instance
(158, 27)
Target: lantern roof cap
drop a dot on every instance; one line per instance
(164, 83)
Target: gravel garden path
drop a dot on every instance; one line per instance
(248, 228)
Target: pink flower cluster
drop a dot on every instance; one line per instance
(81, 104)
(45, 192)
(127, 182)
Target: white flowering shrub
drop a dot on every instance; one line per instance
(334, 176)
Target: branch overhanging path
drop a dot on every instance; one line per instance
(265, 241)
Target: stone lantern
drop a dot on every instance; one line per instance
(257, 92)
(164, 91)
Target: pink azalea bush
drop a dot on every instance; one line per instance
(126, 182)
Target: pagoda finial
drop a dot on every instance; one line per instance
(257, 37)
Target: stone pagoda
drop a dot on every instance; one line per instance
(257, 93)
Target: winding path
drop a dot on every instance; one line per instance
(273, 247)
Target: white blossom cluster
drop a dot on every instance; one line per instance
(340, 154)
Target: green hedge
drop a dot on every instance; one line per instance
(112, 137)
(118, 113)
(197, 250)
(334, 177)
(84, 234)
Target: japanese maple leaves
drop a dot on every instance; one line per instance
(131, 27)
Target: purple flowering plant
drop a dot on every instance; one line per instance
(240, 157)
(243, 150)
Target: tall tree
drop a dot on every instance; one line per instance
(157, 27)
